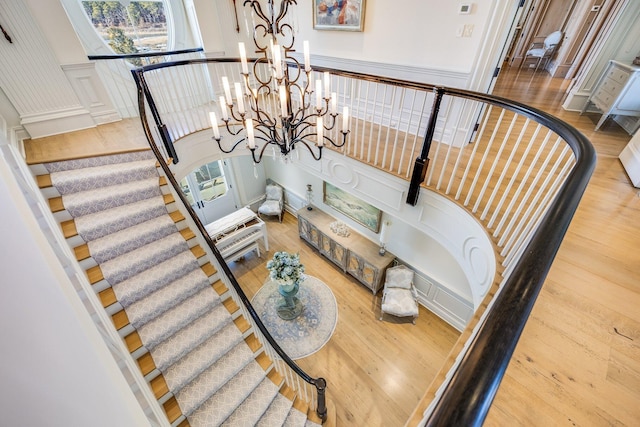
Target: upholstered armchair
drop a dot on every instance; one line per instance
(543, 52)
(274, 203)
(399, 297)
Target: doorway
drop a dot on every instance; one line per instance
(210, 191)
(580, 22)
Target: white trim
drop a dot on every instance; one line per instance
(56, 122)
(436, 76)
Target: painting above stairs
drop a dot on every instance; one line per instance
(181, 324)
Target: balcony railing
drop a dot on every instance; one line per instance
(519, 171)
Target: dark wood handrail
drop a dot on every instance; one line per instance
(468, 396)
(143, 55)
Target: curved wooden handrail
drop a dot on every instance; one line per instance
(143, 55)
(468, 395)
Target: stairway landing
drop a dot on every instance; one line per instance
(118, 137)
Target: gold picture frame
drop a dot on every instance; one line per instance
(341, 15)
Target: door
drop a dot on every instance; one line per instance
(209, 191)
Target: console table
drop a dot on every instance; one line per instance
(617, 92)
(355, 254)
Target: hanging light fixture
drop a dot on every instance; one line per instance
(273, 104)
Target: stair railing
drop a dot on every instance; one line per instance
(115, 73)
(316, 396)
(519, 171)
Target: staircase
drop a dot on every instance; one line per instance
(180, 323)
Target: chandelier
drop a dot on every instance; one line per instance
(276, 105)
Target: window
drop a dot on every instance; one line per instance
(209, 180)
(139, 27)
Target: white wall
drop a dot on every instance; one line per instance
(420, 33)
(412, 39)
(457, 255)
(55, 368)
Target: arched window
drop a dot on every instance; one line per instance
(139, 26)
(128, 26)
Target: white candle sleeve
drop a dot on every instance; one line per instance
(243, 58)
(345, 119)
(327, 84)
(277, 61)
(214, 125)
(239, 98)
(334, 103)
(319, 94)
(283, 101)
(223, 109)
(251, 142)
(227, 90)
(307, 60)
(320, 132)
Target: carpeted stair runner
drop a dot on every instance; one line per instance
(178, 321)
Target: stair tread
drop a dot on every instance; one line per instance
(277, 412)
(131, 290)
(201, 357)
(295, 418)
(120, 242)
(219, 406)
(173, 320)
(150, 307)
(92, 201)
(143, 258)
(178, 345)
(93, 226)
(86, 162)
(254, 406)
(83, 179)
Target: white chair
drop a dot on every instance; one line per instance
(543, 52)
(399, 297)
(274, 204)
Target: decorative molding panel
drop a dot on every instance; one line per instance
(92, 94)
(450, 307)
(33, 80)
(466, 242)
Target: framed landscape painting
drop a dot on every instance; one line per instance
(361, 212)
(345, 15)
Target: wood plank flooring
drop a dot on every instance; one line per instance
(578, 360)
(376, 371)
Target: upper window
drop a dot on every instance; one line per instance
(139, 27)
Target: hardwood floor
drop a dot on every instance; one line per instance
(376, 371)
(578, 360)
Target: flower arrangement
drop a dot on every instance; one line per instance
(286, 268)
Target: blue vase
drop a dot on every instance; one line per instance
(291, 307)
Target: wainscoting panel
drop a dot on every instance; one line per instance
(450, 307)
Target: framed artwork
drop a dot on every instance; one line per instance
(345, 15)
(361, 212)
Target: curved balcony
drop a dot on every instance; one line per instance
(519, 172)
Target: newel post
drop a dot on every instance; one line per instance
(422, 163)
(321, 410)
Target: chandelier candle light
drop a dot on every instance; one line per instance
(279, 111)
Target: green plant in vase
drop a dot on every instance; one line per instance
(288, 272)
